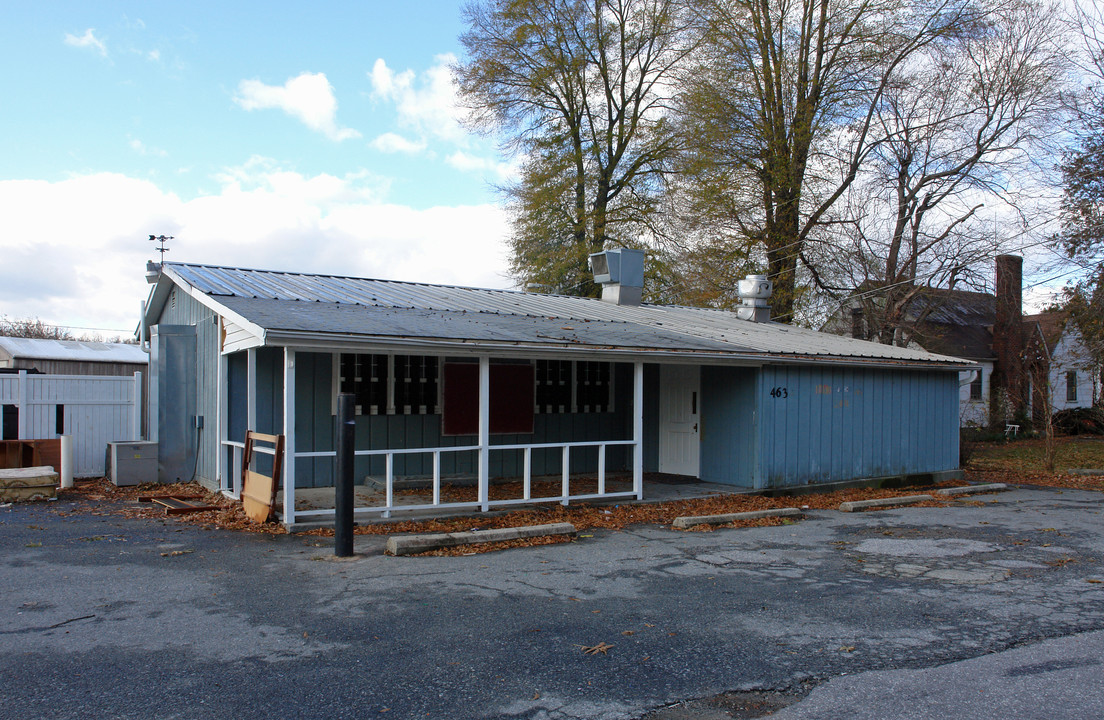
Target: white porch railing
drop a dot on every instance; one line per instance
(565, 496)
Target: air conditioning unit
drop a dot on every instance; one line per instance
(132, 463)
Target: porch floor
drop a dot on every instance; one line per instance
(369, 498)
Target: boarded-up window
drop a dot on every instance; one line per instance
(511, 399)
(592, 387)
(392, 385)
(365, 376)
(415, 387)
(564, 386)
(554, 384)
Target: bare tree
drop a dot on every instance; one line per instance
(783, 107)
(960, 134)
(32, 328)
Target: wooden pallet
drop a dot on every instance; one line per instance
(258, 490)
(178, 504)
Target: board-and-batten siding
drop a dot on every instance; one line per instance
(790, 425)
(182, 309)
(831, 424)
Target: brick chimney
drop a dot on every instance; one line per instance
(1008, 343)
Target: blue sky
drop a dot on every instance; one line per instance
(270, 135)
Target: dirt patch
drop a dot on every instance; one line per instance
(738, 705)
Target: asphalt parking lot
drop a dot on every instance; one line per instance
(936, 611)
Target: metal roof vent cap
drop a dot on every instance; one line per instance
(754, 292)
(153, 271)
(620, 272)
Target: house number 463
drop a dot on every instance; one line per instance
(779, 392)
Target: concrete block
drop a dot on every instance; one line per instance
(973, 489)
(688, 521)
(413, 544)
(883, 502)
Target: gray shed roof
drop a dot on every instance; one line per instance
(72, 351)
(299, 309)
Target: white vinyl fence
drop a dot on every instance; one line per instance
(93, 409)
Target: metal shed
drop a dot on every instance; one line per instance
(456, 383)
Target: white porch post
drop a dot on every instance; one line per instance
(289, 436)
(251, 389)
(638, 430)
(484, 431)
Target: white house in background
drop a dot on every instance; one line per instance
(1074, 377)
(1014, 352)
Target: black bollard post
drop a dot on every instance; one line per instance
(343, 480)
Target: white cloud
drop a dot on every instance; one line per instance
(88, 40)
(466, 162)
(427, 104)
(308, 97)
(153, 55)
(395, 143)
(85, 267)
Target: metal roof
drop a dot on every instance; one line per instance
(72, 350)
(328, 307)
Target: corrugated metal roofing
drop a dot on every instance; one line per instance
(72, 350)
(329, 306)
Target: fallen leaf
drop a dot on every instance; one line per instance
(847, 648)
(601, 647)
(630, 632)
(175, 553)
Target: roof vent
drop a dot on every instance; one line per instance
(620, 272)
(754, 292)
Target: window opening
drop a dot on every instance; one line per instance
(975, 386)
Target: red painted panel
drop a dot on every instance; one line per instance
(511, 399)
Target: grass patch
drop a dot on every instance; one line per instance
(1029, 455)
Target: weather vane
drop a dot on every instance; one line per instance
(161, 239)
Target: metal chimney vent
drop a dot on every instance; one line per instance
(754, 292)
(620, 272)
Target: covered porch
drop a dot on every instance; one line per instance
(436, 433)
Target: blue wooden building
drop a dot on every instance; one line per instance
(454, 382)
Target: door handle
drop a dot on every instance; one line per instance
(695, 427)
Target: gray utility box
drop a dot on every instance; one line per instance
(132, 463)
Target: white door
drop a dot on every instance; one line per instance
(679, 396)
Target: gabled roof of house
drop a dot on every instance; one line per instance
(1051, 326)
(296, 309)
(72, 350)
